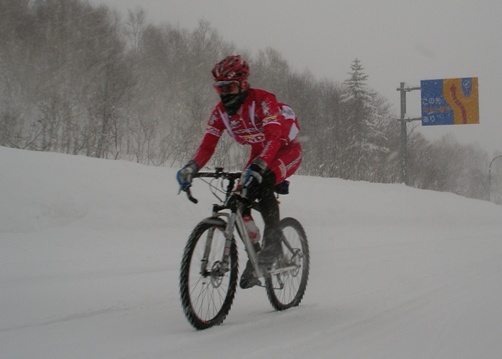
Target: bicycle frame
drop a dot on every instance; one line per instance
(233, 203)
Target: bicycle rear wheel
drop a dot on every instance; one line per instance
(207, 284)
(287, 281)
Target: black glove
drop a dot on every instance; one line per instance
(252, 178)
(185, 175)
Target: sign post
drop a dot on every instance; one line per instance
(444, 102)
(490, 178)
(404, 131)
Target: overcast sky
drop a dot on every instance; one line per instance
(395, 40)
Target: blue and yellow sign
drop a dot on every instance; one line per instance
(450, 101)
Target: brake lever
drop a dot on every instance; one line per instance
(190, 197)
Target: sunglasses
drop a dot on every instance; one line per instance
(226, 87)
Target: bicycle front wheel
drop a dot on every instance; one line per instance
(207, 282)
(287, 282)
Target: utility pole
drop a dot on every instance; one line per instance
(404, 132)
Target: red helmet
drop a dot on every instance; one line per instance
(232, 68)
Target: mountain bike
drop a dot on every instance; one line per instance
(209, 268)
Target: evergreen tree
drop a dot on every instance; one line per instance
(364, 119)
(357, 105)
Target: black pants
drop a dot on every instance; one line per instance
(269, 207)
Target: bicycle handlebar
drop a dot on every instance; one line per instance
(218, 173)
(190, 197)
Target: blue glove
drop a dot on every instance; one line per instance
(185, 175)
(252, 178)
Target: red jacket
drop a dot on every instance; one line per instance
(261, 122)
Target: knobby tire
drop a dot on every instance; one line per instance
(287, 289)
(207, 297)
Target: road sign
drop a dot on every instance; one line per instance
(450, 101)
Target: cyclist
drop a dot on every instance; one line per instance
(252, 117)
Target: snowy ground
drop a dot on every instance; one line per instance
(90, 251)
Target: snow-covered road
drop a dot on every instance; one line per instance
(90, 252)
